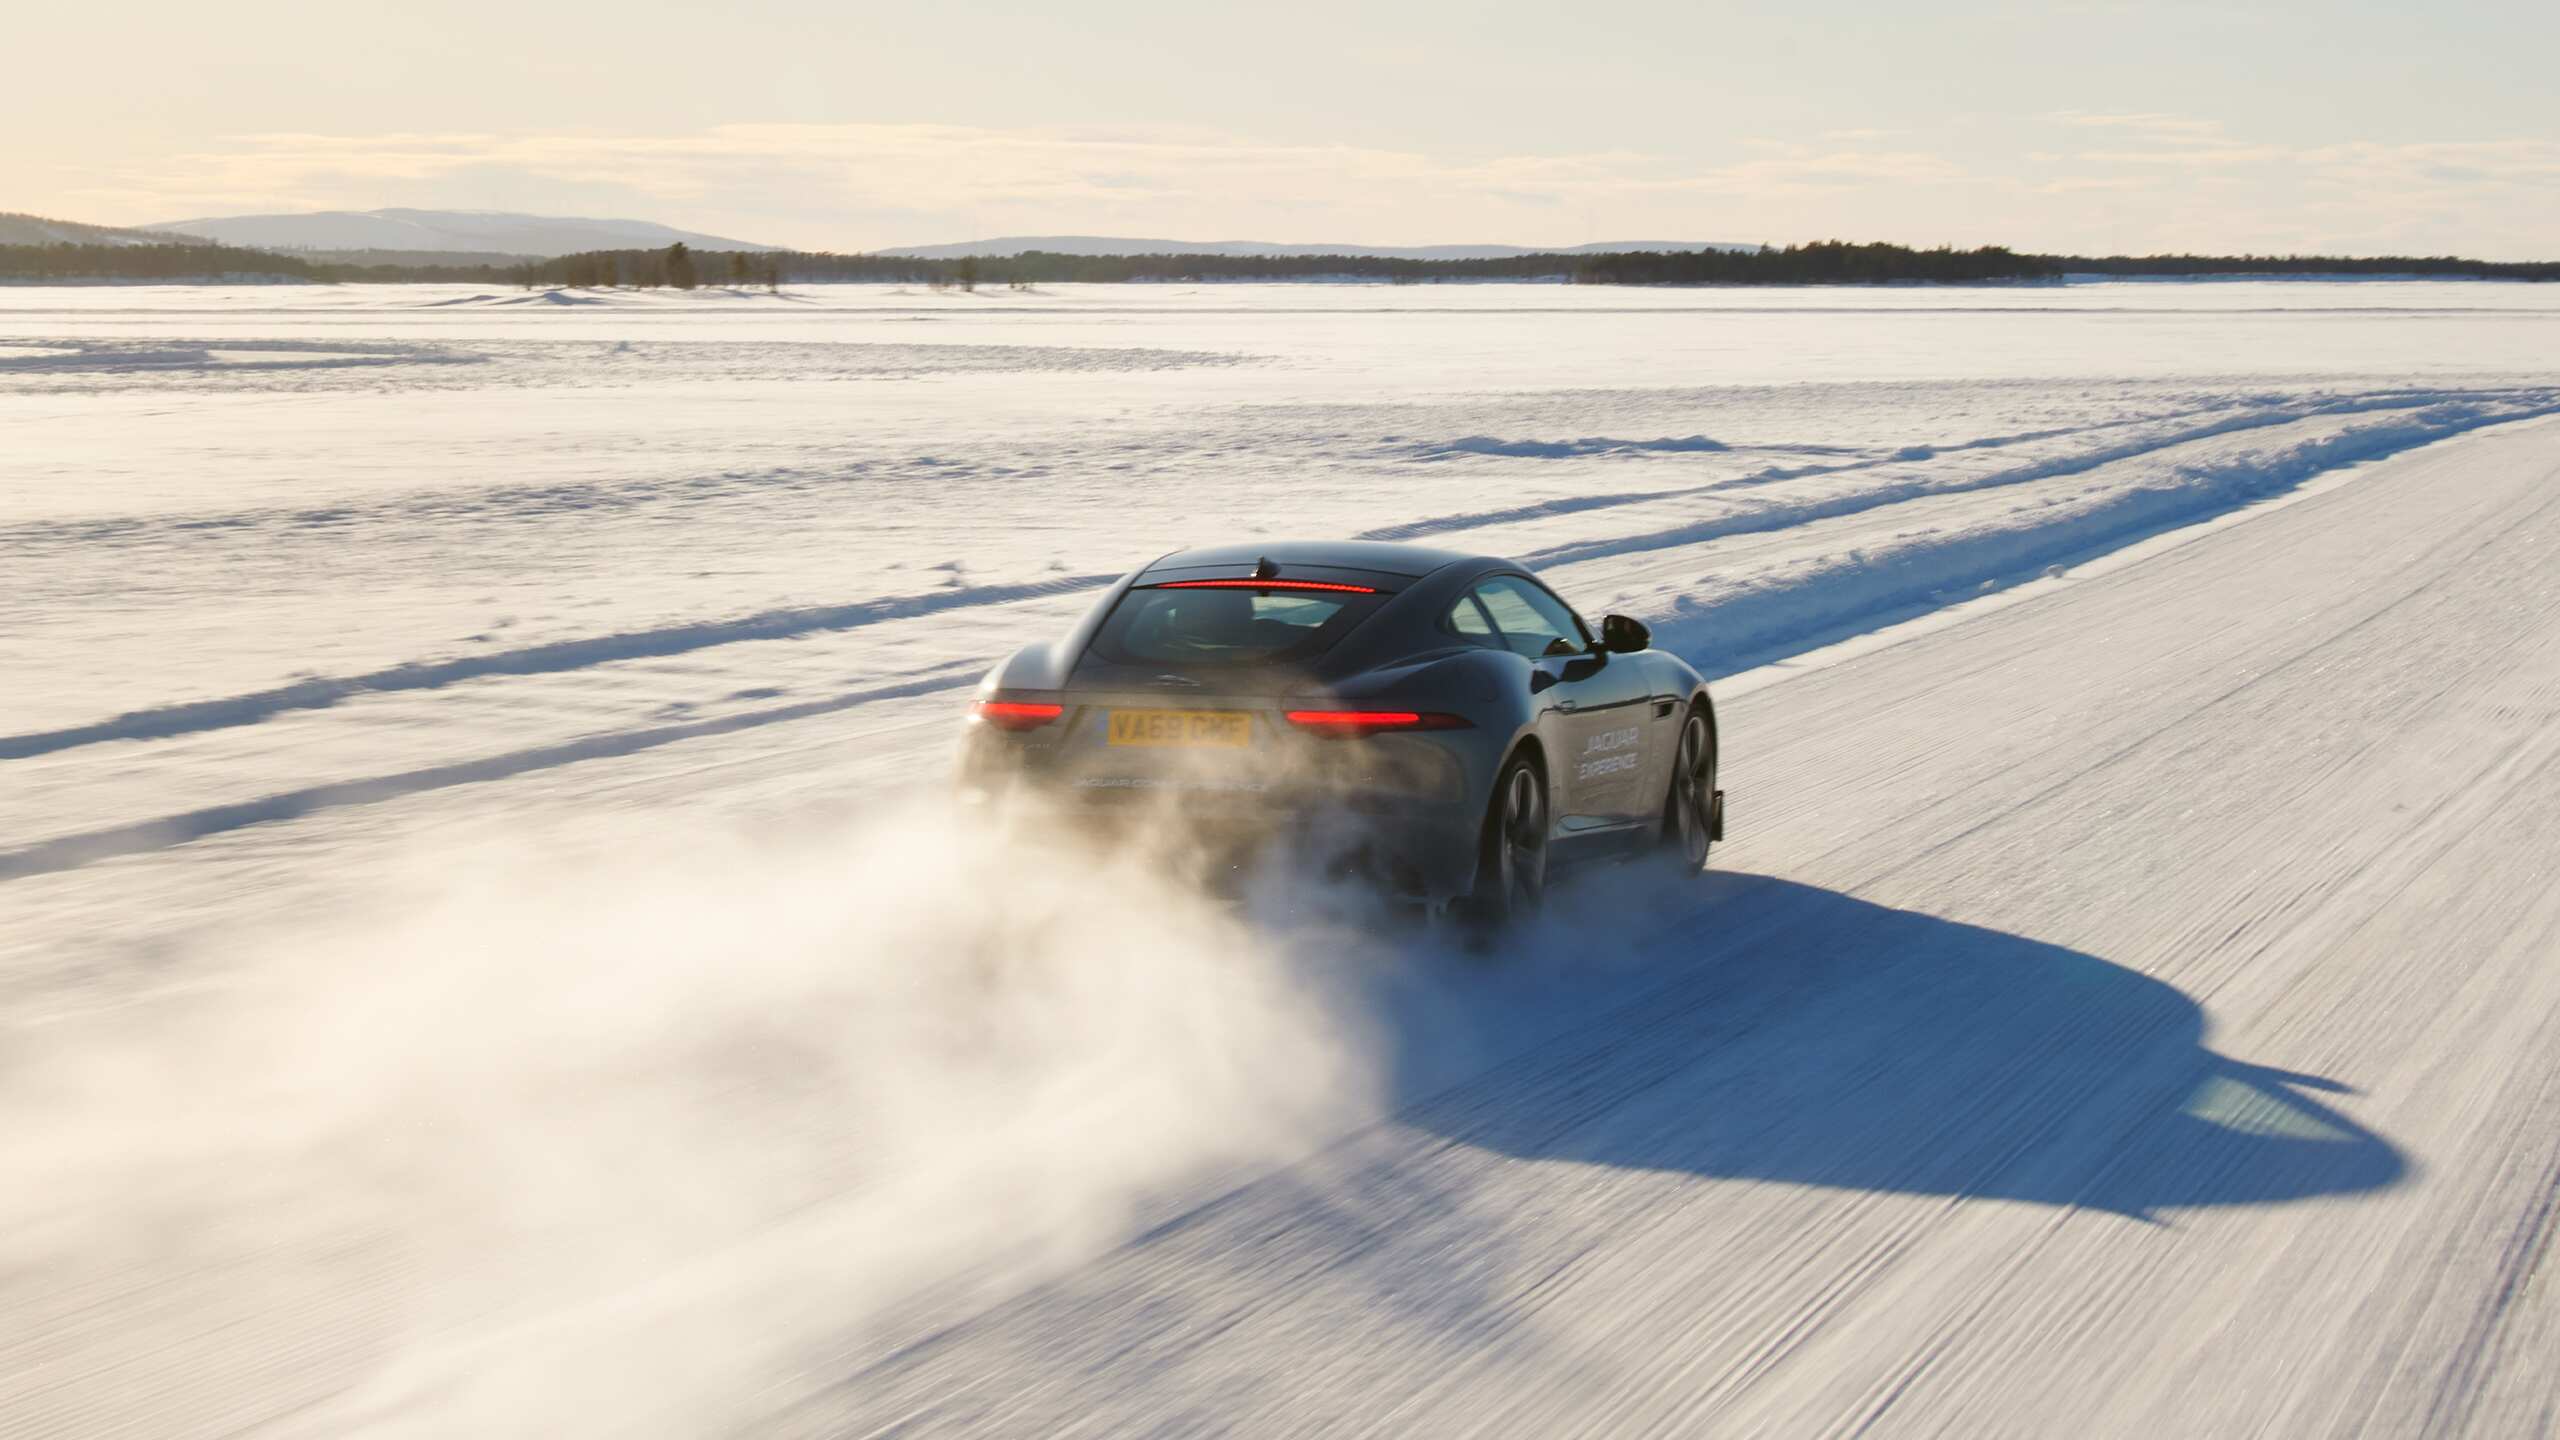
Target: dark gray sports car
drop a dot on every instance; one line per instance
(1445, 718)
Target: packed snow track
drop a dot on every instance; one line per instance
(2136, 1011)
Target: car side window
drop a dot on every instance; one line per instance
(1468, 622)
(1533, 622)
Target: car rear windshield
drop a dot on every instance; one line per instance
(1184, 627)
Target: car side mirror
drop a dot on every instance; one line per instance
(1623, 635)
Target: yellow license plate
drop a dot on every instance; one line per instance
(1231, 728)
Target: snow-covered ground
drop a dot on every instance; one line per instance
(478, 952)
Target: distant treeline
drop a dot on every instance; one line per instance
(2431, 266)
(146, 262)
(1828, 262)
(208, 261)
(678, 266)
(1043, 267)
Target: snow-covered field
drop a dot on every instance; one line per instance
(477, 949)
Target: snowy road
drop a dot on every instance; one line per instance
(471, 959)
(2134, 1012)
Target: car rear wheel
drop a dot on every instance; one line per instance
(1688, 811)
(1511, 866)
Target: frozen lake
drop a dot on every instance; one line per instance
(303, 537)
(507, 650)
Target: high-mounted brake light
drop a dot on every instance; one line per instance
(1016, 714)
(1323, 585)
(1339, 723)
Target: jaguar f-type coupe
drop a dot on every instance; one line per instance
(1446, 719)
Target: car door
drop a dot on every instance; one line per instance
(1667, 703)
(1599, 751)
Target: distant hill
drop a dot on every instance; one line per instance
(36, 230)
(476, 232)
(1126, 245)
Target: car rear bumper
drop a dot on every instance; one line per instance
(1411, 849)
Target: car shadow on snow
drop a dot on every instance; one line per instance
(1754, 1030)
(1787, 1033)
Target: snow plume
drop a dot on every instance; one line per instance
(608, 1148)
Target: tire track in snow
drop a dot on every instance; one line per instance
(2455, 1405)
(1758, 625)
(70, 852)
(162, 722)
(2439, 416)
(2279, 410)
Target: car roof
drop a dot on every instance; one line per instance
(1372, 555)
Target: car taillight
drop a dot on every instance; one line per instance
(1016, 714)
(1341, 723)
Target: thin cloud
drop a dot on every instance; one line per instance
(2218, 156)
(849, 186)
(2150, 123)
(926, 169)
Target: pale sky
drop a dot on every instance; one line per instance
(2353, 127)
